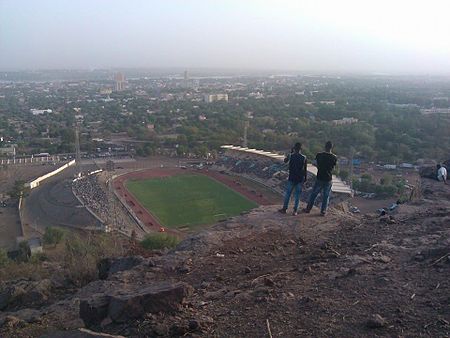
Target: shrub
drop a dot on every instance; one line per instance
(159, 241)
(53, 236)
(82, 254)
(38, 258)
(4, 260)
(24, 252)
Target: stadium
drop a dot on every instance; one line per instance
(179, 196)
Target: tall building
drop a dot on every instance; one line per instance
(120, 82)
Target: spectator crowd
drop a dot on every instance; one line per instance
(92, 195)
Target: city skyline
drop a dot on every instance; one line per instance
(405, 37)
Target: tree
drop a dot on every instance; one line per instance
(386, 180)
(19, 189)
(53, 236)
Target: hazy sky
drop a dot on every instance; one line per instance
(394, 36)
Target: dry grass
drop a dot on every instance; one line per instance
(74, 258)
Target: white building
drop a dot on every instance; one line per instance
(345, 120)
(209, 98)
(40, 111)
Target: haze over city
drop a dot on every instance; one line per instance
(395, 37)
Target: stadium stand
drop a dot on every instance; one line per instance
(267, 166)
(94, 196)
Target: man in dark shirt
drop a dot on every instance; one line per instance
(297, 176)
(326, 161)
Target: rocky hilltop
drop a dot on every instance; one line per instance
(264, 274)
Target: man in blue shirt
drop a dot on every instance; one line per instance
(297, 176)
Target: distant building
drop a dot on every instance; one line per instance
(328, 103)
(9, 150)
(209, 98)
(435, 111)
(345, 120)
(119, 78)
(105, 91)
(40, 111)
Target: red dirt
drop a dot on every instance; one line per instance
(151, 221)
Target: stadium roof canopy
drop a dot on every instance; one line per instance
(338, 185)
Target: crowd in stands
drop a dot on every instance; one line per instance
(91, 193)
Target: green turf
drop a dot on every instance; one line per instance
(188, 200)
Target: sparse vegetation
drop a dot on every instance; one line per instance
(53, 236)
(159, 241)
(81, 255)
(74, 256)
(3, 258)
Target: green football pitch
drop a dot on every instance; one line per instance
(188, 200)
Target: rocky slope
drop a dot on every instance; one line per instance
(264, 273)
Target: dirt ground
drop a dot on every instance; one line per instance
(370, 206)
(9, 227)
(9, 217)
(264, 273)
(340, 276)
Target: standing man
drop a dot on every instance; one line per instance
(441, 173)
(326, 161)
(297, 176)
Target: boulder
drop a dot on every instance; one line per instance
(25, 294)
(428, 172)
(109, 266)
(37, 292)
(165, 298)
(122, 305)
(29, 315)
(9, 295)
(94, 309)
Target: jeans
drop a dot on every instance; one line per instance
(298, 189)
(325, 187)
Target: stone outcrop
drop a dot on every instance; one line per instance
(29, 293)
(109, 266)
(122, 305)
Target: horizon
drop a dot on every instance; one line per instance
(405, 38)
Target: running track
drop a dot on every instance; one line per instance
(147, 218)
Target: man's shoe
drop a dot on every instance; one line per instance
(294, 213)
(306, 210)
(282, 211)
(323, 213)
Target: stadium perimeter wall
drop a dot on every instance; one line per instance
(33, 184)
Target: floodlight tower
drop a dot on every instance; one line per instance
(77, 148)
(245, 141)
